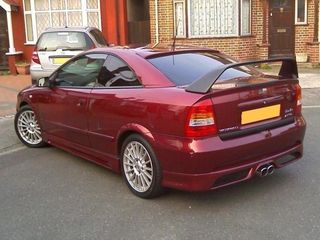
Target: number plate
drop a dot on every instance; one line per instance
(260, 114)
(59, 60)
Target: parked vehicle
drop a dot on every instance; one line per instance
(57, 45)
(190, 119)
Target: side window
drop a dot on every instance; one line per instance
(116, 73)
(98, 37)
(81, 72)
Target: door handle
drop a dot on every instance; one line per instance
(81, 103)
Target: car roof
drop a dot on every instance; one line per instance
(136, 58)
(70, 29)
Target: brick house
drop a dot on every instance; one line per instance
(21, 21)
(245, 29)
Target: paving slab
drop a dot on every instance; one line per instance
(9, 88)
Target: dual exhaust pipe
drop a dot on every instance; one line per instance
(265, 170)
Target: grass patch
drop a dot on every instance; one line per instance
(4, 73)
(265, 66)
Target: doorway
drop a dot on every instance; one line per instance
(138, 22)
(281, 28)
(4, 40)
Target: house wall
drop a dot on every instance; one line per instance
(248, 47)
(244, 47)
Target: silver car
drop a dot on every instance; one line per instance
(55, 46)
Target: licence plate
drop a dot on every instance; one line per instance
(59, 60)
(260, 114)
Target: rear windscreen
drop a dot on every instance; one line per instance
(77, 41)
(184, 68)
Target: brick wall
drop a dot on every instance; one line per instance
(245, 47)
(305, 36)
(248, 47)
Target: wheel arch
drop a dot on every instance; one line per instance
(130, 129)
(24, 103)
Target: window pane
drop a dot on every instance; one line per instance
(66, 40)
(74, 4)
(29, 27)
(41, 5)
(98, 37)
(82, 72)
(59, 19)
(42, 21)
(179, 19)
(182, 70)
(301, 18)
(27, 6)
(116, 73)
(92, 4)
(93, 19)
(58, 4)
(74, 19)
(214, 18)
(245, 18)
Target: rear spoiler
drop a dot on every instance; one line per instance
(203, 84)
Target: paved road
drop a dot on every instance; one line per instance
(50, 194)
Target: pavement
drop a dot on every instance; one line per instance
(9, 88)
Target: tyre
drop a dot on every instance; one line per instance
(28, 128)
(140, 167)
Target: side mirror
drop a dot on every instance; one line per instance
(43, 82)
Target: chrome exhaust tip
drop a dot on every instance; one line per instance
(265, 170)
(270, 169)
(262, 171)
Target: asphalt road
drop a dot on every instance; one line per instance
(50, 194)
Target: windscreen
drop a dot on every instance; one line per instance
(184, 68)
(51, 41)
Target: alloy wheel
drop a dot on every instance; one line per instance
(137, 166)
(28, 127)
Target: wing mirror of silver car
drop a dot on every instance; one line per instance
(45, 82)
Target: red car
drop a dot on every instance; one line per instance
(188, 118)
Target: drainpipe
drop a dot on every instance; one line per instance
(157, 22)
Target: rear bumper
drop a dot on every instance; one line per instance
(204, 164)
(229, 175)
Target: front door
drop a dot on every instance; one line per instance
(281, 28)
(64, 107)
(4, 42)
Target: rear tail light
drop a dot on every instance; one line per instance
(298, 98)
(201, 120)
(35, 57)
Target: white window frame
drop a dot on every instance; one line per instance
(184, 35)
(239, 19)
(305, 13)
(84, 11)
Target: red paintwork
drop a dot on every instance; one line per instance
(91, 123)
